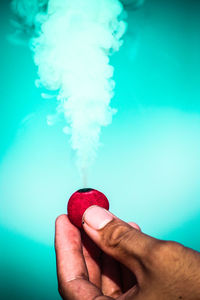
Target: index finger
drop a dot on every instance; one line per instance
(69, 256)
(71, 267)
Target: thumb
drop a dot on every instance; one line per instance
(117, 238)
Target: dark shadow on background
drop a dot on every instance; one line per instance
(28, 268)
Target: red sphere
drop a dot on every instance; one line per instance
(81, 200)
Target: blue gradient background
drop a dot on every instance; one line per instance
(149, 161)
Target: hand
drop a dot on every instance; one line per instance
(131, 265)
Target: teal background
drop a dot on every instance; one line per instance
(149, 161)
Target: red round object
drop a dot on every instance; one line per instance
(81, 200)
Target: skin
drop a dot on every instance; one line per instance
(123, 263)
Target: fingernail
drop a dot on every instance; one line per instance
(97, 217)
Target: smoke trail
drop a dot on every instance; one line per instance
(28, 18)
(132, 4)
(72, 44)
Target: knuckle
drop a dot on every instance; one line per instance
(165, 251)
(115, 233)
(174, 250)
(170, 247)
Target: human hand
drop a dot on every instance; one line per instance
(131, 265)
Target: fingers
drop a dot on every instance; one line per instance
(70, 261)
(111, 279)
(71, 267)
(134, 225)
(92, 256)
(128, 278)
(112, 283)
(117, 238)
(81, 289)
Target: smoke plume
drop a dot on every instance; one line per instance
(72, 41)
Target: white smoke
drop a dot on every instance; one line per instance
(72, 45)
(28, 18)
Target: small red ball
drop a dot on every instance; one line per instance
(81, 200)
